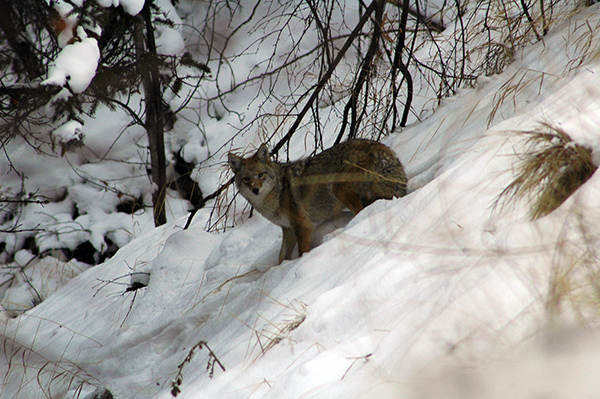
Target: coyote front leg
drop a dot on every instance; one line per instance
(288, 243)
(304, 237)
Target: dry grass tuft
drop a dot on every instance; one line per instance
(574, 291)
(24, 367)
(276, 332)
(551, 169)
(280, 331)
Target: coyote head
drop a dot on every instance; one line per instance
(255, 176)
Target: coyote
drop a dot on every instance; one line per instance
(300, 195)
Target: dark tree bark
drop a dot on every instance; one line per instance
(155, 113)
(398, 63)
(325, 78)
(365, 70)
(21, 47)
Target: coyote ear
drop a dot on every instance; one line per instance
(263, 153)
(235, 162)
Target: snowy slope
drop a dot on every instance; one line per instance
(441, 276)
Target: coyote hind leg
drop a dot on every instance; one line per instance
(347, 195)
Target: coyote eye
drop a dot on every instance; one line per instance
(261, 175)
(246, 180)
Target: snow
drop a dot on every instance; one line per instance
(75, 66)
(168, 39)
(441, 293)
(132, 7)
(68, 131)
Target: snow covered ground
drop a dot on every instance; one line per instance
(437, 294)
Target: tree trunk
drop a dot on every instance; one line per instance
(154, 121)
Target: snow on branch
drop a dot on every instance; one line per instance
(75, 66)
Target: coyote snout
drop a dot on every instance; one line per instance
(300, 195)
